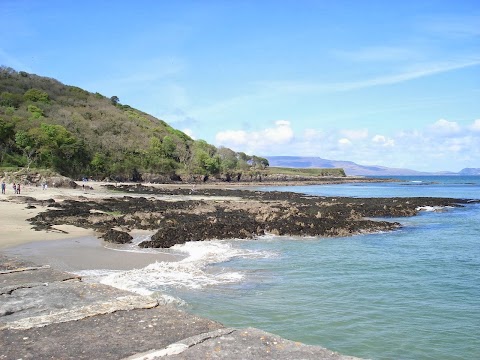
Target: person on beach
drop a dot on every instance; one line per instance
(18, 188)
(4, 186)
(14, 188)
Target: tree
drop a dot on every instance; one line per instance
(36, 95)
(9, 99)
(168, 147)
(28, 146)
(7, 135)
(259, 162)
(98, 164)
(243, 161)
(6, 131)
(203, 145)
(228, 159)
(212, 165)
(114, 100)
(36, 112)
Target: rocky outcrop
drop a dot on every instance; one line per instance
(117, 237)
(36, 178)
(239, 214)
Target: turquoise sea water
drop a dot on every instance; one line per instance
(408, 294)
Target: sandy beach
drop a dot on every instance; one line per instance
(16, 230)
(67, 247)
(183, 213)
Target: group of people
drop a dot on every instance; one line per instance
(16, 188)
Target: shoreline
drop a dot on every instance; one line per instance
(16, 230)
(87, 253)
(92, 245)
(32, 216)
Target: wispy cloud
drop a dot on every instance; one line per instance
(452, 26)
(415, 72)
(141, 72)
(377, 53)
(265, 90)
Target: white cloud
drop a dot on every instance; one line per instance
(189, 132)
(424, 149)
(232, 138)
(382, 140)
(344, 142)
(280, 134)
(475, 126)
(355, 134)
(378, 138)
(445, 127)
(311, 134)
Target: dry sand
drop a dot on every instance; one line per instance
(16, 230)
(74, 248)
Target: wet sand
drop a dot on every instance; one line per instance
(87, 253)
(67, 247)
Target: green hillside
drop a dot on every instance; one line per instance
(46, 124)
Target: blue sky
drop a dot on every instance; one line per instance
(392, 83)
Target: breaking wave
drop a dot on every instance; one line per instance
(193, 272)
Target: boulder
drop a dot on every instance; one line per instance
(117, 237)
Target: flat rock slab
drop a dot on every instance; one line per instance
(30, 277)
(49, 314)
(112, 336)
(17, 274)
(235, 344)
(12, 263)
(42, 298)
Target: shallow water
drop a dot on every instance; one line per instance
(413, 293)
(408, 294)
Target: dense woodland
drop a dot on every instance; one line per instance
(46, 124)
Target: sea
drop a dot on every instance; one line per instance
(413, 293)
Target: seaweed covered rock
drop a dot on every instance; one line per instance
(231, 214)
(117, 237)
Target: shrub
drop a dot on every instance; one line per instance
(36, 95)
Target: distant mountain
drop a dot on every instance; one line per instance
(352, 168)
(470, 171)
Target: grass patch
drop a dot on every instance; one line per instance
(333, 172)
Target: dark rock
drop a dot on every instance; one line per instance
(282, 213)
(117, 237)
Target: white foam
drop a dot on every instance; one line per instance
(133, 246)
(193, 272)
(432, 208)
